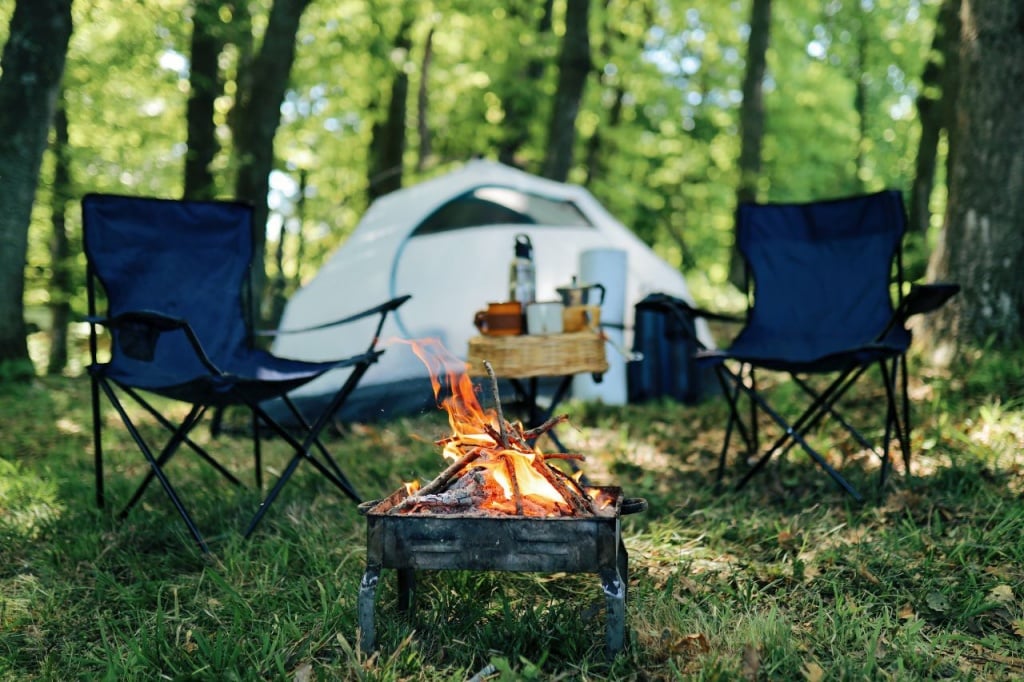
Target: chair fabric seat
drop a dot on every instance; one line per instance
(784, 356)
(257, 374)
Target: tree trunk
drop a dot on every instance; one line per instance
(752, 108)
(752, 118)
(982, 248)
(257, 121)
(938, 88)
(205, 85)
(425, 150)
(860, 100)
(60, 247)
(32, 66)
(574, 66)
(387, 146)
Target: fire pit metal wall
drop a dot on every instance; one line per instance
(411, 542)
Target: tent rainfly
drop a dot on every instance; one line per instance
(448, 241)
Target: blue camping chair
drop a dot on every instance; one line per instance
(826, 297)
(176, 280)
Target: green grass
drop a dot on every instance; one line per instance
(786, 579)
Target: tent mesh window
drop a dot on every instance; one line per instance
(495, 205)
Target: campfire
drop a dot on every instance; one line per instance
(500, 505)
(494, 468)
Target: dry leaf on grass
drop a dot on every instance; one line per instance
(813, 672)
(1001, 594)
(937, 601)
(906, 612)
(304, 673)
(690, 645)
(751, 662)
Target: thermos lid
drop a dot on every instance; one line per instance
(524, 249)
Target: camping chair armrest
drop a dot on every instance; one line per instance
(717, 317)
(922, 298)
(925, 298)
(140, 329)
(383, 309)
(678, 305)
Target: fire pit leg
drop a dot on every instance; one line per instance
(406, 588)
(623, 561)
(364, 607)
(615, 592)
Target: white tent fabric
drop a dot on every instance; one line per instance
(452, 273)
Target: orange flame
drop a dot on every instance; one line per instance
(475, 427)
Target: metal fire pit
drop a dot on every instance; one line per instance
(410, 542)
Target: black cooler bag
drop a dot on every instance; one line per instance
(664, 333)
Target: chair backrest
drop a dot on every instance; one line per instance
(821, 271)
(185, 259)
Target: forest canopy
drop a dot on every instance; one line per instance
(670, 76)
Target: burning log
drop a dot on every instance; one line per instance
(562, 455)
(539, 431)
(517, 496)
(441, 481)
(578, 503)
(502, 433)
(464, 492)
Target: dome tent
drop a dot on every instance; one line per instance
(448, 242)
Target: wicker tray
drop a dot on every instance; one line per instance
(537, 356)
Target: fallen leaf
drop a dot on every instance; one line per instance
(906, 612)
(881, 649)
(751, 662)
(691, 644)
(937, 601)
(1018, 627)
(1001, 594)
(813, 672)
(863, 572)
(304, 673)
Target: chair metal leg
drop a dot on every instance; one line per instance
(755, 436)
(157, 471)
(97, 441)
(318, 443)
(894, 419)
(257, 453)
(797, 436)
(165, 455)
(905, 444)
(733, 420)
(196, 448)
(302, 450)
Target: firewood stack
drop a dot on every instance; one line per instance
(500, 473)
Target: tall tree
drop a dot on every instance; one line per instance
(258, 116)
(425, 149)
(982, 246)
(32, 65)
(752, 117)
(209, 36)
(60, 245)
(935, 108)
(574, 65)
(752, 106)
(387, 144)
